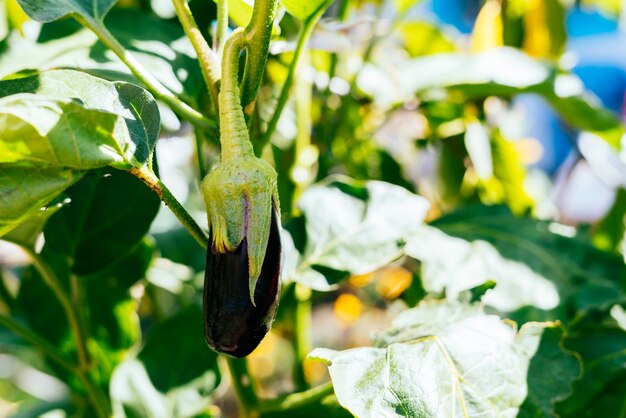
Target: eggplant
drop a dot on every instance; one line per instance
(233, 324)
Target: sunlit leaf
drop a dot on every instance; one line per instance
(541, 272)
(56, 126)
(366, 228)
(432, 363)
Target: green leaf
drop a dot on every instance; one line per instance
(109, 214)
(600, 341)
(173, 374)
(57, 125)
(27, 233)
(302, 8)
(354, 227)
(448, 359)
(123, 116)
(542, 269)
(110, 312)
(49, 10)
(25, 190)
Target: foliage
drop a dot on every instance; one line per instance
(405, 192)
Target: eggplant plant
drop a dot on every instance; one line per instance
(301, 207)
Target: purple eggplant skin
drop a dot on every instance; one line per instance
(232, 324)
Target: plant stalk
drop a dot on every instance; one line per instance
(97, 398)
(257, 34)
(297, 400)
(222, 26)
(244, 387)
(152, 181)
(303, 37)
(302, 341)
(208, 59)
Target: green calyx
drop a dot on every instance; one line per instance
(240, 194)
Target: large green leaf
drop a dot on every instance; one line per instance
(541, 270)
(353, 228)
(110, 212)
(173, 374)
(109, 311)
(125, 117)
(448, 359)
(159, 45)
(56, 126)
(600, 340)
(49, 10)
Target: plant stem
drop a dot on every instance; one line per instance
(222, 25)
(159, 90)
(243, 385)
(152, 181)
(35, 339)
(52, 281)
(302, 340)
(303, 37)
(257, 34)
(209, 61)
(297, 400)
(234, 136)
(200, 140)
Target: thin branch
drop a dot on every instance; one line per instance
(303, 37)
(152, 181)
(297, 400)
(257, 34)
(209, 61)
(49, 277)
(243, 385)
(222, 25)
